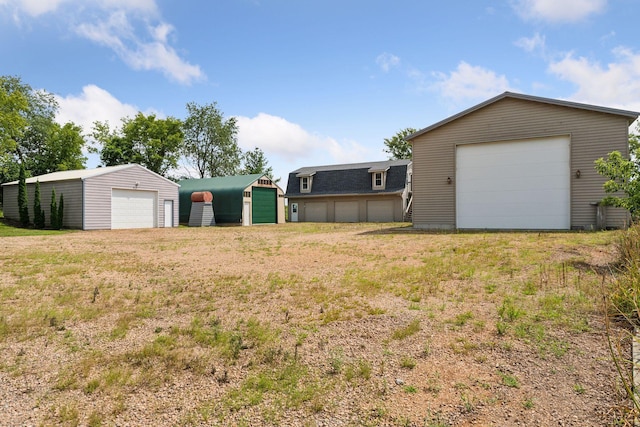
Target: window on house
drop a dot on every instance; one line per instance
(305, 184)
(378, 180)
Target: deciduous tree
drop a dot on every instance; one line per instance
(256, 162)
(211, 145)
(624, 177)
(151, 142)
(29, 134)
(397, 146)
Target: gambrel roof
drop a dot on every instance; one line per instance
(349, 179)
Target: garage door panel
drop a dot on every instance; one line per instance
(263, 202)
(517, 184)
(315, 212)
(347, 212)
(133, 209)
(380, 211)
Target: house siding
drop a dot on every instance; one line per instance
(71, 189)
(98, 190)
(362, 205)
(593, 135)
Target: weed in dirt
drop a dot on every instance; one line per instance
(509, 380)
(407, 362)
(410, 329)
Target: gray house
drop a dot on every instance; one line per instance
(126, 196)
(517, 162)
(358, 192)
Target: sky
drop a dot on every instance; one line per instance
(317, 82)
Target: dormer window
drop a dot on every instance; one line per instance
(306, 180)
(378, 178)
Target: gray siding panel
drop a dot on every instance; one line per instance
(98, 190)
(72, 190)
(593, 135)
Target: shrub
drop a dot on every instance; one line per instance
(624, 296)
(38, 212)
(23, 209)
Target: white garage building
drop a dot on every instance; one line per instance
(126, 196)
(517, 162)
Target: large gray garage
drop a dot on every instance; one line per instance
(517, 162)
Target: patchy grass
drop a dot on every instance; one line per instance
(282, 325)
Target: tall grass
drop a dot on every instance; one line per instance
(622, 301)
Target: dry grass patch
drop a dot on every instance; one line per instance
(305, 324)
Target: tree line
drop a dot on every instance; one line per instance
(30, 137)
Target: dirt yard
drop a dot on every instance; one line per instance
(307, 325)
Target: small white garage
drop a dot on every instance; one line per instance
(517, 162)
(113, 197)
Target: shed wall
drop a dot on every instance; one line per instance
(72, 212)
(593, 135)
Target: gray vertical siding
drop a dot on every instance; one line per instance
(97, 193)
(72, 190)
(593, 135)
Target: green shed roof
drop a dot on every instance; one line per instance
(227, 195)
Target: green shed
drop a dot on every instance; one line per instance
(239, 199)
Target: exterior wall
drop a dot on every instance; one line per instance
(362, 205)
(97, 193)
(593, 135)
(72, 212)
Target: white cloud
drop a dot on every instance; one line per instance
(93, 104)
(288, 146)
(119, 34)
(532, 44)
(615, 85)
(386, 61)
(468, 83)
(131, 28)
(558, 11)
(36, 8)
(278, 136)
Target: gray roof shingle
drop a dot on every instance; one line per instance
(347, 179)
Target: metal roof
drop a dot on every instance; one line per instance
(631, 115)
(220, 183)
(80, 174)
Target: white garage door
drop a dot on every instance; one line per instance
(380, 210)
(133, 209)
(513, 185)
(347, 212)
(315, 212)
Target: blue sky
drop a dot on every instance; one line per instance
(316, 82)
